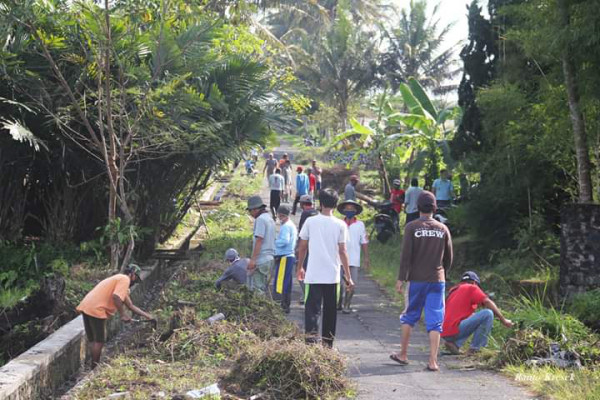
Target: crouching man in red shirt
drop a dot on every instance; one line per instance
(461, 320)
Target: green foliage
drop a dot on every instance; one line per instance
(586, 307)
(537, 326)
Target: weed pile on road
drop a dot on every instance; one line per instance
(289, 369)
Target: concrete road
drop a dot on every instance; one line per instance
(372, 332)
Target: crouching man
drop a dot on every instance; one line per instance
(103, 301)
(236, 272)
(461, 321)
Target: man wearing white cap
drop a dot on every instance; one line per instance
(236, 270)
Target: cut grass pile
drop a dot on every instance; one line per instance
(255, 350)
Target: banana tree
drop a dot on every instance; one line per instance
(424, 128)
(421, 131)
(369, 139)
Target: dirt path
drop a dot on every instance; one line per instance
(372, 332)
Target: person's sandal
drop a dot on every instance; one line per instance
(429, 369)
(395, 357)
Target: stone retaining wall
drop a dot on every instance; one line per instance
(579, 248)
(41, 370)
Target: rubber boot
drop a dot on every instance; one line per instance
(347, 301)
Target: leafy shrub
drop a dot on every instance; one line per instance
(586, 307)
(538, 325)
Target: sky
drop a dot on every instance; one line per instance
(451, 11)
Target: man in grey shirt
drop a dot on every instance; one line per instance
(410, 200)
(350, 190)
(263, 246)
(236, 270)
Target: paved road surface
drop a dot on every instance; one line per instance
(372, 332)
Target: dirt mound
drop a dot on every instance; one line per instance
(337, 177)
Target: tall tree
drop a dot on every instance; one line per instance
(416, 49)
(479, 58)
(582, 149)
(342, 64)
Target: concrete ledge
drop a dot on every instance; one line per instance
(41, 370)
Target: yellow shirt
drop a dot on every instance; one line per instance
(99, 301)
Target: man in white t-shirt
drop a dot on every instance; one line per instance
(325, 237)
(357, 241)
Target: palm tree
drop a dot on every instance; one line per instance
(342, 65)
(416, 49)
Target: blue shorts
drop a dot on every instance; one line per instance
(428, 296)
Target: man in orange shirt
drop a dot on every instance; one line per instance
(103, 301)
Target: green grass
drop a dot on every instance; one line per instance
(385, 262)
(560, 384)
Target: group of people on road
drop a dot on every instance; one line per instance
(325, 254)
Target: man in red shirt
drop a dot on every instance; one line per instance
(312, 179)
(397, 199)
(461, 320)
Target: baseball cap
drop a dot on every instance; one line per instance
(426, 199)
(231, 254)
(133, 269)
(306, 198)
(283, 210)
(471, 276)
(299, 169)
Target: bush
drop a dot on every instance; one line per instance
(538, 325)
(586, 307)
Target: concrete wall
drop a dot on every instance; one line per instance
(41, 370)
(579, 248)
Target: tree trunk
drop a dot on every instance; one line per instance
(411, 159)
(384, 176)
(579, 131)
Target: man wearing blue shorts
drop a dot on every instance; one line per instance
(426, 259)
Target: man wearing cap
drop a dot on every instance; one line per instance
(306, 204)
(263, 246)
(107, 297)
(461, 320)
(426, 259)
(270, 165)
(236, 270)
(325, 236)
(350, 190)
(302, 186)
(357, 241)
(285, 258)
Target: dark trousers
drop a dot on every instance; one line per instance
(321, 295)
(296, 201)
(412, 216)
(275, 201)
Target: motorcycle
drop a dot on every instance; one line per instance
(385, 221)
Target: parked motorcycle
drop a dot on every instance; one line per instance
(386, 221)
